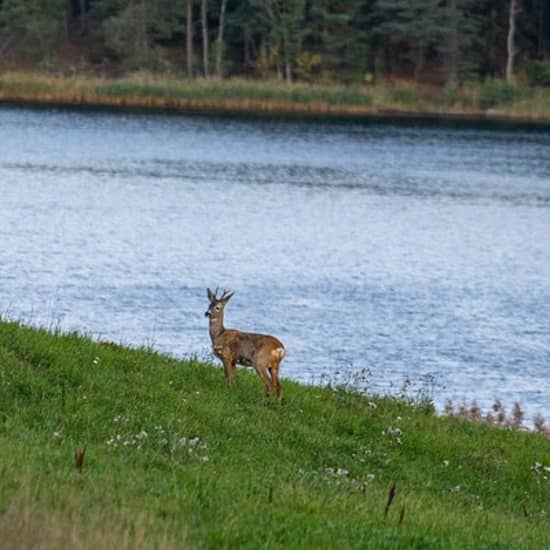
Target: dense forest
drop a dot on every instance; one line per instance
(352, 41)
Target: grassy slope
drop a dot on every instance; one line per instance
(259, 474)
(495, 99)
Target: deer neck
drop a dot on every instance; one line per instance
(216, 327)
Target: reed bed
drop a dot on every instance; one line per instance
(492, 99)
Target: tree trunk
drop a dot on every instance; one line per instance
(492, 56)
(286, 57)
(541, 42)
(204, 20)
(246, 47)
(144, 29)
(189, 38)
(419, 62)
(288, 72)
(82, 14)
(452, 47)
(67, 19)
(510, 41)
(219, 49)
(4, 47)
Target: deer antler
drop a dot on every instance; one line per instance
(226, 294)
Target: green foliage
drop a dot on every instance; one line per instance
(120, 35)
(405, 95)
(175, 458)
(414, 26)
(539, 73)
(130, 30)
(236, 89)
(335, 32)
(308, 65)
(449, 97)
(495, 93)
(435, 41)
(35, 24)
(279, 24)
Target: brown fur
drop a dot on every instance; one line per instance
(262, 352)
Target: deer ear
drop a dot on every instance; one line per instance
(211, 295)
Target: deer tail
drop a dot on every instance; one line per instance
(278, 353)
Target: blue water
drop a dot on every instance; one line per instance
(410, 250)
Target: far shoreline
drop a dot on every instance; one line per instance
(265, 99)
(371, 116)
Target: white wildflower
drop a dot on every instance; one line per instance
(396, 433)
(541, 470)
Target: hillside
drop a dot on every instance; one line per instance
(107, 446)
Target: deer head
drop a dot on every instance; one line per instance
(215, 309)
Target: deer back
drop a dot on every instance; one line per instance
(247, 348)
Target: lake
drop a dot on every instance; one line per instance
(405, 250)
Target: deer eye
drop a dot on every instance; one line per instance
(217, 308)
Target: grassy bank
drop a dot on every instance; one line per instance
(495, 99)
(104, 446)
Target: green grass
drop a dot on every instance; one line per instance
(313, 472)
(236, 89)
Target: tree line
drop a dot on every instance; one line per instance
(436, 41)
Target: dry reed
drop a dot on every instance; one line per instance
(144, 90)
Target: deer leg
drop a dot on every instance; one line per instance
(276, 384)
(232, 371)
(263, 373)
(275, 359)
(227, 369)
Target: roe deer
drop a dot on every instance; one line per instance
(260, 351)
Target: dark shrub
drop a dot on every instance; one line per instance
(499, 92)
(539, 73)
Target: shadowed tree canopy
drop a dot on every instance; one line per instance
(435, 41)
